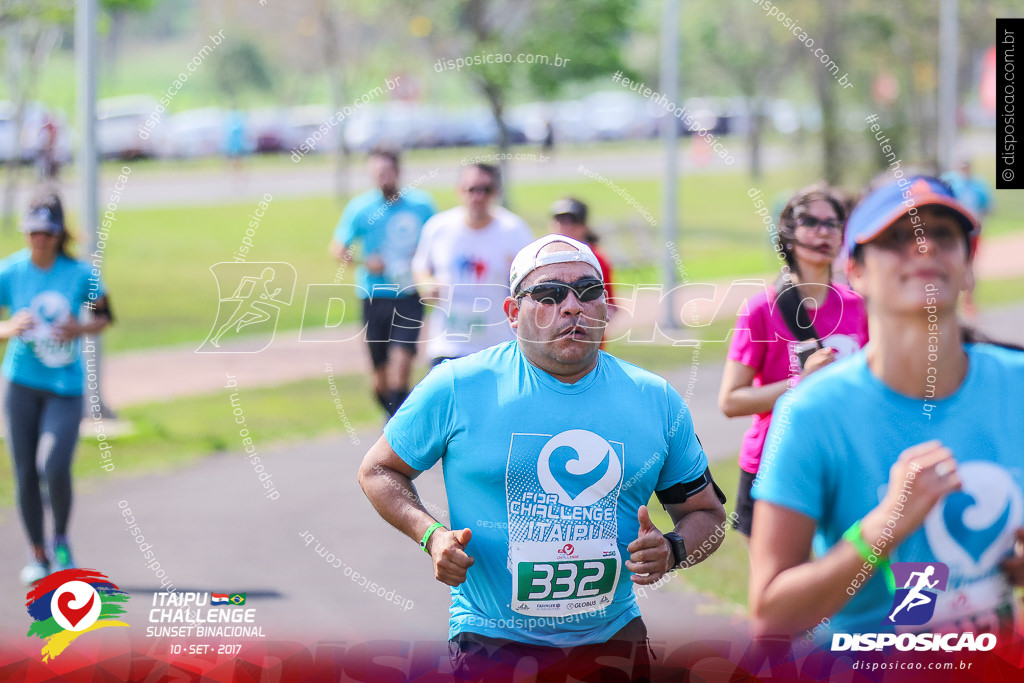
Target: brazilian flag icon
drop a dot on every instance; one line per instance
(237, 598)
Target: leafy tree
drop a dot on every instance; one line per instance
(118, 10)
(742, 47)
(30, 30)
(240, 66)
(587, 35)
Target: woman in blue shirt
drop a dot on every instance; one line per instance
(46, 292)
(904, 455)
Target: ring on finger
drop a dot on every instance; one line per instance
(943, 468)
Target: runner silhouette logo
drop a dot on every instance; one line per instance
(914, 603)
(251, 297)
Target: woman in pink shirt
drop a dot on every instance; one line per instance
(805, 322)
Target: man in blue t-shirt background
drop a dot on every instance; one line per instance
(387, 221)
(551, 450)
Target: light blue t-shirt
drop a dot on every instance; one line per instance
(549, 477)
(35, 359)
(390, 230)
(828, 454)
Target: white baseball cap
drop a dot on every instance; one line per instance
(527, 260)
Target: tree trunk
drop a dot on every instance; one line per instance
(496, 101)
(754, 136)
(825, 84)
(15, 72)
(114, 43)
(336, 89)
(28, 47)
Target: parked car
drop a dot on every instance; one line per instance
(194, 133)
(619, 116)
(533, 119)
(307, 120)
(121, 127)
(267, 131)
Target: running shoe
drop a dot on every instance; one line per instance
(34, 571)
(62, 555)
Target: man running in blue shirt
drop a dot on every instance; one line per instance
(388, 222)
(552, 449)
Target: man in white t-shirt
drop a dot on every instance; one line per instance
(461, 267)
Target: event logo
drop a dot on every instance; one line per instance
(579, 467)
(69, 603)
(971, 530)
(49, 309)
(258, 293)
(914, 603)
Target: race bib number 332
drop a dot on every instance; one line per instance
(557, 583)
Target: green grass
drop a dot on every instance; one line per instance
(170, 434)
(725, 573)
(157, 261)
(1004, 291)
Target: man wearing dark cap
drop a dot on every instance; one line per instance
(569, 218)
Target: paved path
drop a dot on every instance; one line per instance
(213, 530)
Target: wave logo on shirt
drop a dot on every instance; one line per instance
(971, 530)
(914, 603)
(579, 467)
(49, 309)
(403, 232)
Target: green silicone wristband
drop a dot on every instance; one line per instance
(426, 537)
(855, 537)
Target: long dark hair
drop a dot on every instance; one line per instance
(788, 297)
(787, 219)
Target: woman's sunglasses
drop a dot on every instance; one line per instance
(554, 292)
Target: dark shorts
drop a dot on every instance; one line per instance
(625, 656)
(391, 321)
(744, 503)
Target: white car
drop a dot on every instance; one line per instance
(121, 127)
(194, 133)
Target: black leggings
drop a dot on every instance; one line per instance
(42, 427)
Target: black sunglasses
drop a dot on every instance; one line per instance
(480, 189)
(555, 292)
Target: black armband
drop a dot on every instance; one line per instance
(101, 308)
(678, 493)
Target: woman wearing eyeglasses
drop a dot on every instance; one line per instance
(909, 452)
(46, 290)
(804, 323)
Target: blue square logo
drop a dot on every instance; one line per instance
(917, 587)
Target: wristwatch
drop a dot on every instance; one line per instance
(675, 541)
